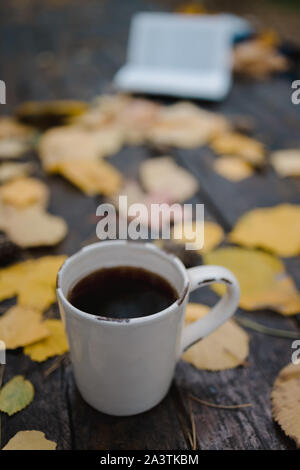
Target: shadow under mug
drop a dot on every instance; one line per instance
(125, 366)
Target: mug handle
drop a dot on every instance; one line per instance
(201, 276)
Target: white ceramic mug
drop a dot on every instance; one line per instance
(125, 367)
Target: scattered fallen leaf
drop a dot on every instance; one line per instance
(39, 274)
(12, 148)
(67, 143)
(232, 168)
(258, 58)
(163, 175)
(191, 8)
(286, 162)
(10, 171)
(33, 226)
(186, 125)
(23, 192)
(10, 128)
(20, 326)
(274, 228)
(50, 113)
(225, 348)
(36, 295)
(262, 278)
(155, 215)
(14, 137)
(55, 344)
(16, 395)
(77, 145)
(187, 233)
(239, 145)
(285, 401)
(30, 440)
(92, 177)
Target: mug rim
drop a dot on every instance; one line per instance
(124, 321)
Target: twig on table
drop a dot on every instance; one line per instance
(186, 431)
(192, 420)
(55, 365)
(223, 407)
(266, 329)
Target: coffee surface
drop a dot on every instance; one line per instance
(122, 292)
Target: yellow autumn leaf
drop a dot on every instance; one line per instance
(36, 295)
(262, 278)
(285, 401)
(274, 228)
(191, 232)
(232, 168)
(55, 344)
(91, 176)
(16, 395)
(225, 348)
(33, 226)
(24, 191)
(286, 162)
(239, 145)
(33, 281)
(30, 440)
(20, 326)
(162, 175)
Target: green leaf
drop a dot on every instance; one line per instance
(16, 395)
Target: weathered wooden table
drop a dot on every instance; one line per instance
(71, 50)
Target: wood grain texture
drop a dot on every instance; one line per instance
(62, 50)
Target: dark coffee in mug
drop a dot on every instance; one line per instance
(122, 292)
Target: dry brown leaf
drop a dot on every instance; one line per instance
(274, 228)
(34, 227)
(53, 345)
(262, 278)
(12, 148)
(225, 348)
(239, 145)
(40, 113)
(10, 171)
(30, 440)
(191, 8)
(67, 143)
(10, 128)
(136, 117)
(286, 162)
(23, 192)
(285, 401)
(20, 326)
(92, 177)
(14, 137)
(232, 168)
(258, 58)
(163, 175)
(158, 206)
(213, 235)
(186, 125)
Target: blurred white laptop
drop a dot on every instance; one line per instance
(180, 55)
